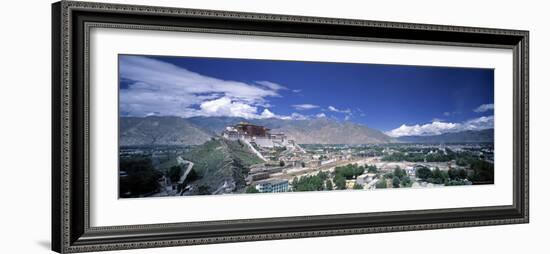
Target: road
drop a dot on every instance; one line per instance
(187, 170)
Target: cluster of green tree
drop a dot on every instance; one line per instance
(347, 172)
(141, 178)
(381, 184)
(399, 177)
(350, 171)
(312, 183)
(436, 176)
(251, 189)
(438, 156)
(466, 158)
(174, 174)
(482, 172)
(457, 174)
(399, 156)
(372, 169)
(340, 182)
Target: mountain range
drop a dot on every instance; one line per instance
(136, 131)
(479, 136)
(171, 130)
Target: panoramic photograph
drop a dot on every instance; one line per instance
(210, 126)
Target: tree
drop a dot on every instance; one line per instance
(381, 184)
(406, 181)
(453, 174)
(340, 182)
(141, 177)
(204, 190)
(358, 170)
(323, 175)
(396, 182)
(328, 185)
(423, 173)
(192, 176)
(308, 183)
(251, 189)
(462, 174)
(483, 172)
(461, 162)
(372, 169)
(357, 187)
(437, 176)
(398, 172)
(454, 183)
(350, 171)
(174, 173)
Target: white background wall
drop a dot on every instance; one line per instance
(25, 125)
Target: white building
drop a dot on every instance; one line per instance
(272, 186)
(365, 178)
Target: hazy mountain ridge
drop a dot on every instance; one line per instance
(164, 130)
(170, 130)
(309, 131)
(470, 136)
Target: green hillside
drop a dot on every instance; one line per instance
(218, 162)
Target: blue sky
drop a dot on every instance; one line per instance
(399, 100)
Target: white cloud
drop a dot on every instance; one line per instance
(345, 111)
(296, 90)
(152, 114)
(446, 113)
(226, 107)
(484, 122)
(267, 114)
(484, 108)
(161, 88)
(439, 127)
(304, 106)
(347, 118)
(320, 115)
(271, 85)
(297, 116)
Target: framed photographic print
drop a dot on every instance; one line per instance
(181, 126)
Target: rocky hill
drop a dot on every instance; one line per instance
(221, 166)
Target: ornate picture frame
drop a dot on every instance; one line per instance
(71, 24)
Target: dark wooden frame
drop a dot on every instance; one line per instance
(71, 22)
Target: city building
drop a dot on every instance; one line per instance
(272, 186)
(312, 163)
(411, 171)
(365, 178)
